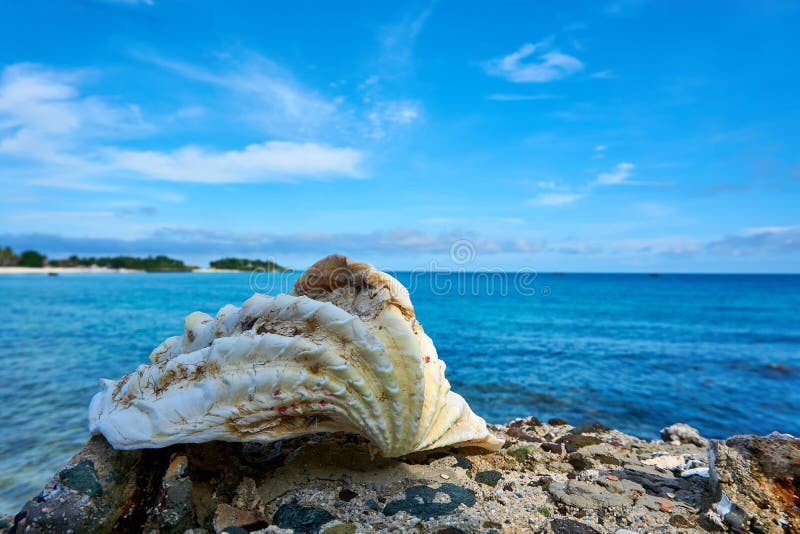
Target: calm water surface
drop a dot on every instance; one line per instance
(636, 352)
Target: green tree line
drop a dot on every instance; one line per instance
(241, 264)
(161, 263)
(32, 258)
(28, 258)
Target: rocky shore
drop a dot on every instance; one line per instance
(550, 477)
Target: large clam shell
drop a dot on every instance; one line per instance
(343, 353)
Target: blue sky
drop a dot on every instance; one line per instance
(626, 136)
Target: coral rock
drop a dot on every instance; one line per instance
(756, 481)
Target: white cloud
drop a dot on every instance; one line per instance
(554, 199)
(559, 195)
(506, 97)
(599, 152)
(189, 112)
(37, 104)
(371, 80)
(66, 139)
(544, 65)
(770, 230)
(603, 75)
(387, 114)
(270, 161)
(619, 175)
(653, 210)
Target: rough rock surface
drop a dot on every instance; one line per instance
(756, 481)
(549, 478)
(682, 433)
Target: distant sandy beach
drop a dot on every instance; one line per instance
(92, 270)
(63, 270)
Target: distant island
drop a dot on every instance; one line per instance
(32, 261)
(150, 264)
(241, 264)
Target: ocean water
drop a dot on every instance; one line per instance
(637, 352)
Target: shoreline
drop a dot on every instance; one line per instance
(65, 270)
(101, 270)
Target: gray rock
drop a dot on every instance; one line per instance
(681, 433)
(331, 484)
(82, 478)
(96, 492)
(175, 511)
(585, 495)
(569, 526)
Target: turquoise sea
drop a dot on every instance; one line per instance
(637, 352)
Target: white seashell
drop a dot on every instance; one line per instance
(344, 352)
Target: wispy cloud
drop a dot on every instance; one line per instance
(60, 215)
(510, 97)
(39, 104)
(129, 2)
(561, 195)
(270, 161)
(554, 199)
(534, 63)
(622, 7)
(769, 240)
(199, 241)
(599, 152)
(603, 75)
(401, 242)
(275, 101)
(188, 113)
(750, 244)
(618, 176)
(386, 114)
(397, 42)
